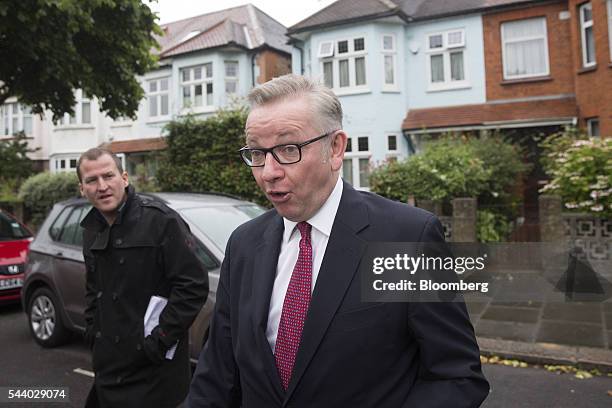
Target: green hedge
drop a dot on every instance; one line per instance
(40, 192)
(202, 155)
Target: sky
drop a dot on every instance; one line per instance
(287, 12)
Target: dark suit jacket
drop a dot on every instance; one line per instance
(352, 354)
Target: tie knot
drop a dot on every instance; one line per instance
(304, 229)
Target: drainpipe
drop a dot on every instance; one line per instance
(409, 140)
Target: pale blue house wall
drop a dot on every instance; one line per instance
(417, 76)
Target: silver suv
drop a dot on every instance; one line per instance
(53, 293)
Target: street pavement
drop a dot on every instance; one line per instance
(24, 363)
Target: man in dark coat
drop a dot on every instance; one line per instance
(290, 328)
(136, 248)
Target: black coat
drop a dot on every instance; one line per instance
(147, 251)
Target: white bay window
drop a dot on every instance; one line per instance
(343, 64)
(445, 60)
(197, 86)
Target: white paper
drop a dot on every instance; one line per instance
(151, 320)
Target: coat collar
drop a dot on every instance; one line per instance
(94, 220)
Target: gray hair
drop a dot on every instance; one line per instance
(94, 154)
(327, 111)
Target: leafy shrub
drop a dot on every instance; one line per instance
(492, 226)
(40, 192)
(202, 155)
(581, 172)
(450, 167)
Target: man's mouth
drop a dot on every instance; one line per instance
(278, 196)
(104, 196)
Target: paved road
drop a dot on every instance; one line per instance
(24, 363)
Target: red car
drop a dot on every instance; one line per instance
(14, 243)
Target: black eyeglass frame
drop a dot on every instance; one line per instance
(271, 150)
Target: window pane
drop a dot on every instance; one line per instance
(435, 41)
(15, 124)
(388, 42)
(27, 125)
(186, 73)
(587, 13)
(209, 71)
(209, 94)
(197, 73)
(516, 30)
(15, 108)
(342, 47)
(349, 145)
(392, 142)
(328, 74)
(163, 84)
(343, 68)
(164, 105)
(455, 38)
(347, 170)
(230, 87)
(358, 44)
(526, 58)
(389, 74)
(153, 86)
(152, 105)
(186, 96)
(364, 172)
(360, 73)
(86, 112)
(362, 144)
(231, 69)
(198, 95)
(457, 72)
(437, 68)
(73, 163)
(590, 45)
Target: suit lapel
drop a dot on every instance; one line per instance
(266, 259)
(342, 257)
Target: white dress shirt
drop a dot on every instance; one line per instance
(322, 223)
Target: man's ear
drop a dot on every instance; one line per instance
(81, 189)
(126, 181)
(337, 149)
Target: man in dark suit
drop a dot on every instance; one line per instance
(290, 328)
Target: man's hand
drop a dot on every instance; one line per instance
(154, 347)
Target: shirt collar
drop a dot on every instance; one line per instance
(323, 220)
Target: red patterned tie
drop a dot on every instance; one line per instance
(295, 308)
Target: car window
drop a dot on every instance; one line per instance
(56, 227)
(10, 229)
(218, 223)
(72, 228)
(204, 256)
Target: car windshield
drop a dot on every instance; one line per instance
(10, 229)
(217, 223)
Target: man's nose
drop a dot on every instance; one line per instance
(272, 169)
(102, 185)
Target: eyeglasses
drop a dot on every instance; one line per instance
(288, 153)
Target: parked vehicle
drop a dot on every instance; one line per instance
(15, 239)
(53, 294)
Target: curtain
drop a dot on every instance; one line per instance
(525, 47)
(437, 68)
(343, 67)
(457, 69)
(328, 74)
(389, 74)
(360, 74)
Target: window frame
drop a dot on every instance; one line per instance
(392, 53)
(230, 79)
(158, 94)
(589, 126)
(354, 156)
(583, 27)
(204, 81)
(66, 159)
(505, 41)
(76, 120)
(445, 51)
(350, 56)
(8, 117)
(609, 4)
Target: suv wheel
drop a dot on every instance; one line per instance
(45, 319)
